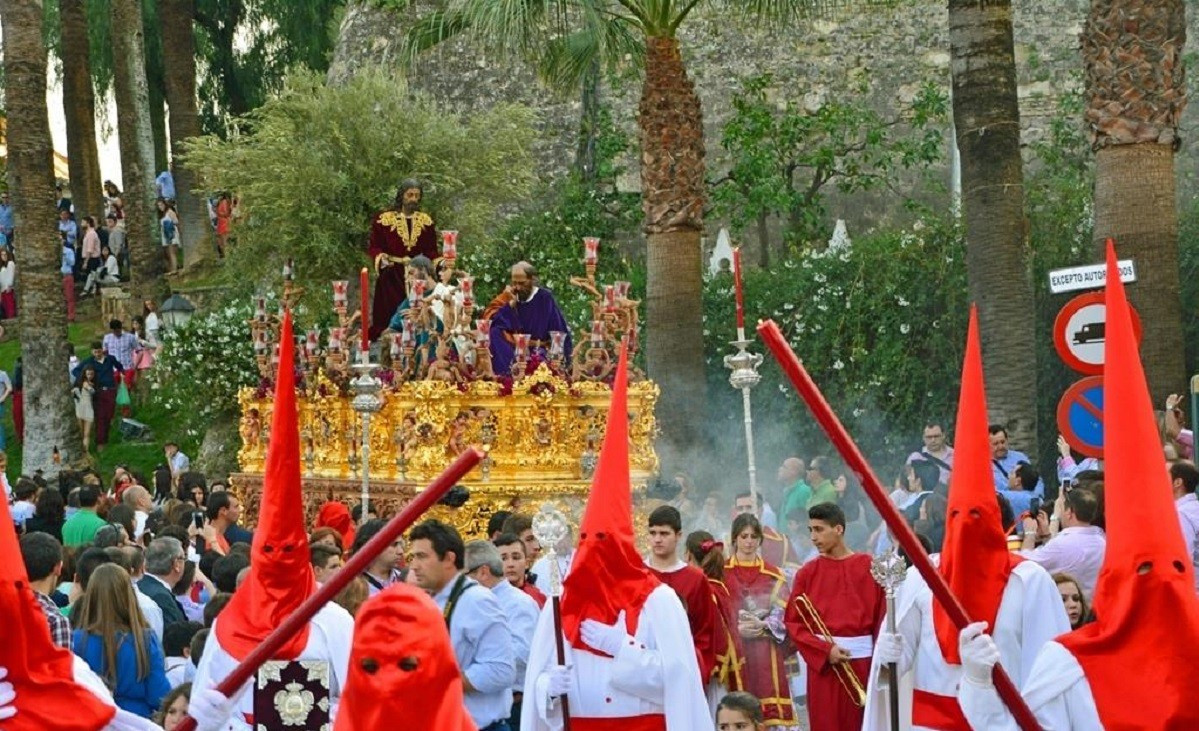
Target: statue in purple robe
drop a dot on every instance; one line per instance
(523, 307)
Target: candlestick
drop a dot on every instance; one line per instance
(312, 344)
(557, 343)
(522, 346)
(622, 290)
(740, 297)
(590, 250)
(467, 285)
(418, 292)
(260, 309)
(341, 289)
(610, 297)
(483, 332)
(288, 270)
(364, 286)
(449, 245)
(597, 333)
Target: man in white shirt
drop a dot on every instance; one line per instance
(25, 496)
(176, 460)
(1078, 548)
(1184, 478)
(478, 631)
(483, 564)
(138, 498)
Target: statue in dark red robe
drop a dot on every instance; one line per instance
(397, 235)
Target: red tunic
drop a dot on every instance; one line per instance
(389, 230)
(758, 587)
(777, 550)
(692, 587)
(535, 593)
(730, 655)
(851, 604)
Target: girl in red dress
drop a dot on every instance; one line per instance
(707, 554)
(757, 590)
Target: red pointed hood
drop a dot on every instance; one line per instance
(39, 670)
(281, 575)
(401, 633)
(1145, 639)
(607, 574)
(975, 560)
(334, 514)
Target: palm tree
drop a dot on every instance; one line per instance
(79, 106)
(137, 150)
(986, 116)
(567, 36)
(179, 50)
(49, 412)
(1135, 94)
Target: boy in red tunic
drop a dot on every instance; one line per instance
(665, 528)
(839, 588)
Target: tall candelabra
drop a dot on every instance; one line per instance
(744, 366)
(367, 401)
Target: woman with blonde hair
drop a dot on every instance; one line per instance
(113, 638)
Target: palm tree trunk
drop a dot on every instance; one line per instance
(83, 158)
(179, 62)
(137, 150)
(585, 162)
(49, 410)
(1136, 93)
(673, 193)
(158, 124)
(986, 116)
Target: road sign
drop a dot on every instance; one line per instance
(1080, 416)
(1090, 276)
(1080, 329)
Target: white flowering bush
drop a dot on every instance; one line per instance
(202, 365)
(879, 324)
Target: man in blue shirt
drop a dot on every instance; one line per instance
(67, 268)
(108, 374)
(165, 185)
(7, 222)
(478, 630)
(1004, 461)
(67, 225)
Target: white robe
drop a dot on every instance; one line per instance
(1056, 691)
(1030, 614)
(658, 675)
(331, 632)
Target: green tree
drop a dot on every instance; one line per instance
(784, 158)
(49, 411)
(315, 164)
(571, 34)
(986, 116)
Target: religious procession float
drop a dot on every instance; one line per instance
(383, 410)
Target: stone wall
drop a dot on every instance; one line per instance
(896, 49)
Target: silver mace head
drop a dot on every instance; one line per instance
(744, 366)
(889, 570)
(549, 528)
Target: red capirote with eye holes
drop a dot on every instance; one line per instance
(402, 666)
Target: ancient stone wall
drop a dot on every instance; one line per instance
(895, 49)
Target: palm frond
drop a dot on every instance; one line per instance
(430, 31)
(784, 11)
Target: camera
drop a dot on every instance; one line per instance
(1035, 506)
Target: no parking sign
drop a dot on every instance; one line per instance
(1080, 416)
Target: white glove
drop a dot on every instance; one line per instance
(8, 697)
(607, 638)
(212, 708)
(979, 653)
(559, 680)
(890, 646)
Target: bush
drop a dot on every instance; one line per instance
(202, 365)
(879, 324)
(319, 161)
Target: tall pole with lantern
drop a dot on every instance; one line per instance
(744, 366)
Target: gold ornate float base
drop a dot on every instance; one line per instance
(542, 440)
(389, 498)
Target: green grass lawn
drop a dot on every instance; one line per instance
(141, 456)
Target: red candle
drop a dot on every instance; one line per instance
(590, 250)
(737, 287)
(364, 286)
(467, 285)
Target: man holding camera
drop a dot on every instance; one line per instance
(1073, 541)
